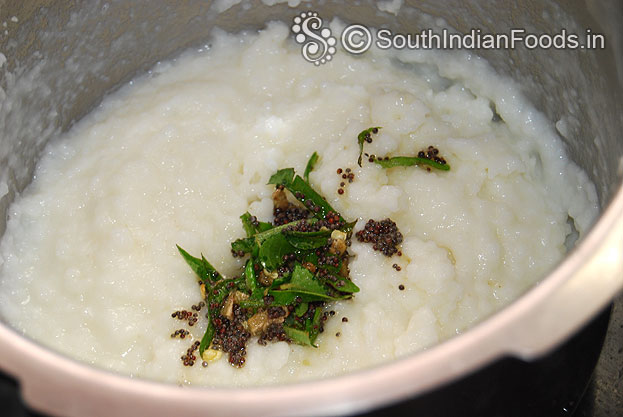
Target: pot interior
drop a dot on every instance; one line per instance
(62, 60)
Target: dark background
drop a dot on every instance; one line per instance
(604, 397)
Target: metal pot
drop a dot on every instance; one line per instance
(63, 57)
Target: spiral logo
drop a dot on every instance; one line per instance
(356, 39)
(318, 44)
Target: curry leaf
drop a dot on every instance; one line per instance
(303, 286)
(201, 267)
(245, 245)
(291, 296)
(272, 251)
(252, 244)
(221, 290)
(301, 309)
(207, 338)
(405, 161)
(253, 304)
(250, 228)
(216, 295)
(261, 237)
(310, 165)
(298, 336)
(361, 138)
(344, 285)
(307, 240)
(251, 280)
(303, 279)
(247, 224)
(264, 226)
(348, 227)
(304, 192)
(313, 326)
(282, 177)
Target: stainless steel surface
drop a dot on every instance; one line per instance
(63, 57)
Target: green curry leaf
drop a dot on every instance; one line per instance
(310, 165)
(307, 240)
(207, 338)
(282, 177)
(344, 285)
(361, 139)
(272, 251)
(406, 161)
(201, 267)
(301, 337)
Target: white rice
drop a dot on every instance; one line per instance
(89, 263)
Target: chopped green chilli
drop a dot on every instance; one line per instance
(295, 265)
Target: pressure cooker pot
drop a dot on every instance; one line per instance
(59, 59)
